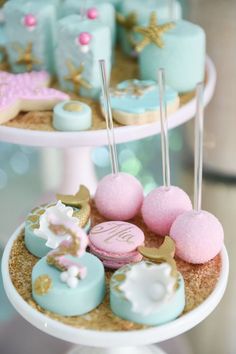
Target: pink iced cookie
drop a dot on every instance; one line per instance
(162, 206)
(26, 92)
(119, 197)
(116, 243)
(198, 237)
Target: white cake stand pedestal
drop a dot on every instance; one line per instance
(75, 144)
(123, 342)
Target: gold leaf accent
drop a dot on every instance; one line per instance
(33, 218)
(120, 277)
(42, 285)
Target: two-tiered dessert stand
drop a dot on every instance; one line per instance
(77, 159)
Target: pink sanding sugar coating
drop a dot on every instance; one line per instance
(162, 206)
(198, 237)
(119, 197)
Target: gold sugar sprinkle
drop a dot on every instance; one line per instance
(200, 281)
(42, 285)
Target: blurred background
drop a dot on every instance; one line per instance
(30, 175)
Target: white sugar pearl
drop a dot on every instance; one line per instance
(64, 277)
(72, 282)
(157, 291)
(73, 271)
(84, 48)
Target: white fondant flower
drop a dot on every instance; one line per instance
(58, 214)
(148, 286)
(72, 275)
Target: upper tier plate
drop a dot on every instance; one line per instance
(99, 137)
(112, 339)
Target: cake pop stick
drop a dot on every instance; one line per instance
(198, 161)
(198, 234)
(109, 120)
(164, 130)
(164, 204)
(119, 196)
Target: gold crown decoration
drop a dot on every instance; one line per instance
(153, 33)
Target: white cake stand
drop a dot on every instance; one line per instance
(130, 342)
(77, 145)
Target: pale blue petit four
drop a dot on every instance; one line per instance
(33, 242)
(95, 10)
(78, 53)
(147, 293)
(61, 294)
(137, 12)
(30, 28)
(181, 52)
(72, 116)
(136, 102)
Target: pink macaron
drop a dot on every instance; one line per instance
(116, 243)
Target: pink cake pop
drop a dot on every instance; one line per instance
(162, 205)
(198, 235)
(119, 196)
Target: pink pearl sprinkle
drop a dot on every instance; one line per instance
(84, 38)
(30, 21)
(92, 13)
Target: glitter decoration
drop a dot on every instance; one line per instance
(42, 285)
(153, 33)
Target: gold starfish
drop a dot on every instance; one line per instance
(26, 56)
(75, 76)
(128, 22)
(133, 88)
(153, 32)
(165, 253)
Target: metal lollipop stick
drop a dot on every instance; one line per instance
(198, 161)
(164, 130)
(109, 120)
